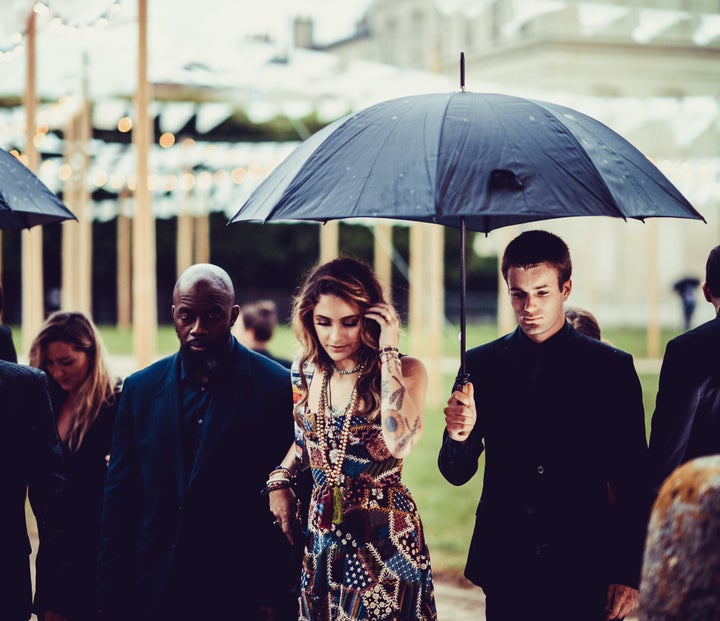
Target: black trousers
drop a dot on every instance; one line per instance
(540, 590)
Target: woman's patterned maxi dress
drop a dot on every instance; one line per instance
(374, 563)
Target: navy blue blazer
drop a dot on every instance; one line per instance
(209, 546)
(686, 421)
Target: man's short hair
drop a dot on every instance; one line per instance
(532, 248)
(261, 317)
(712, 272)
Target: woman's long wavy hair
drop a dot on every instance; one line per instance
(354, 282)
(98, 389)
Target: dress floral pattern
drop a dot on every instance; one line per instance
(371, 562)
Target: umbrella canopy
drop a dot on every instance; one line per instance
(491, 160)
(472, 160)
(25, 201)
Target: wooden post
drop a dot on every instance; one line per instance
(144, 261)
(383, 248)
(653, 327)
(184, 236)
(681, 568)
(506, 317)
(124, 266)
(202, 239)
(417, 317)
(329, 240)
(69, 273)
(33, 303)
(435, 299)
(83, 252)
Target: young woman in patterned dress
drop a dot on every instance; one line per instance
(359, 409)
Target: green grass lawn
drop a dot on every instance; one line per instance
(447, 511)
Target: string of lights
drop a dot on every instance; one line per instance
(53, 14)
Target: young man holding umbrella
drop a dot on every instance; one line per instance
(560, 418)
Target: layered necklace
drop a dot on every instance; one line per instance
(333, 458)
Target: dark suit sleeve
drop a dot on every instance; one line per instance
(7, 347)
(672, 421)
(121, 510)
(627, 456)
(46, 485)
(458, 461)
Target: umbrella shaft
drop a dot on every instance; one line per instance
(462, 377)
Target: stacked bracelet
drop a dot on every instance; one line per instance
(388, 352)
(279, 478)
(274, 484)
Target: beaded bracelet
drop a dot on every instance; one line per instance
(271, 486)
(389, 350)
(281, 472)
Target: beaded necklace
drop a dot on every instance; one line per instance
(333, 458)
(348, 371)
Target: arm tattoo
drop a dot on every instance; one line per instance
(393, 400)
(395, 397)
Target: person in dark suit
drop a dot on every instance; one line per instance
(686, 421)
(31, 463)
(559, 416)
(186, 533)
(84, 397)
(7, 347)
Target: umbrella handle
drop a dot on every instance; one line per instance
(461, 380)
(461, 384)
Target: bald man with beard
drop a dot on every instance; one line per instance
(186, 533)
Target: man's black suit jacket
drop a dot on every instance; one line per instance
(686, 421)
(206, 549)
(31, 463)
(560, 423)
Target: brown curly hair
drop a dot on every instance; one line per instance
(354, 282)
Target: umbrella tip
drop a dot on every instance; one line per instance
(462, 71)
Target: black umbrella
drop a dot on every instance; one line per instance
(25, 201)
(476, 161)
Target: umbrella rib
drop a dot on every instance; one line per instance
(374, 161)
(577, 118)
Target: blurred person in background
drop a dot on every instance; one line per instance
(84, 397)
(259, 320)
(686, 288)
(584, 322)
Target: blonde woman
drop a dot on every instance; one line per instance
(84, 397)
